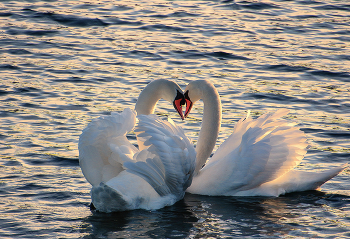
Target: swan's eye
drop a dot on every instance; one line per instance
(189, 104)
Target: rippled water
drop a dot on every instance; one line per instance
(63, 63)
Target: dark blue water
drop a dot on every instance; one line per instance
(63, 63)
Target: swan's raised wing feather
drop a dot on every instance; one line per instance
(170, 161)
(265, 149)
(103, 146)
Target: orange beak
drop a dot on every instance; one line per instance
(189, 104)
(178, 107)
(178, 103)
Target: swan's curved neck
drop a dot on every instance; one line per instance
(210, 125)
(152, 93)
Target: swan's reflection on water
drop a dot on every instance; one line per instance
(170, 222)
(202, 216)
(267, 216)
(238, 216)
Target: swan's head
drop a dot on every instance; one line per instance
(201, 89)
(160, 89)
(193, 92)
(171, 92)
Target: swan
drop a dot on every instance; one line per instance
(154, 175)
(258, 159)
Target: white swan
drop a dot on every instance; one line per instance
(256, 160)
(150, 177)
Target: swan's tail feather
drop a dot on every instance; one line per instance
(293, 181)
(296, 180)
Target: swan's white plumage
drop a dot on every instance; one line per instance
(258, 151)
(257, 159)
(155, 174)
(171, 157)
(101, 146)
(125, 178)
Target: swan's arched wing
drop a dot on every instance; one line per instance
(103, 146)
(168, 162)
(267, 148)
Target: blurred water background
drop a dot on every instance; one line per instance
(64, 63)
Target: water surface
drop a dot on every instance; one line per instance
(64, 63)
